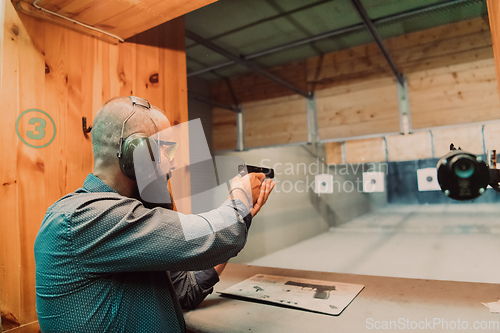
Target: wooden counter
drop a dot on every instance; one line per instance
(407, 303)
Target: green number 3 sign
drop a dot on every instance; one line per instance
(40, 124)
(35, 128)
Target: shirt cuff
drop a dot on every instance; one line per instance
(242, 210)
(206, 279)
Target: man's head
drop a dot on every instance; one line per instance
(106, 134)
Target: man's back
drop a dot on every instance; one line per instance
(102, 261)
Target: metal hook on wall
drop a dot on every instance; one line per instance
(84, 126)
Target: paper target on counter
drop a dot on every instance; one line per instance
(323, 183)
(427, 179)
(373, 182)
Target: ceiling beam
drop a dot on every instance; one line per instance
(332, 33)
(264, 20)
(254, 67)
(282, 47)
(378, 39)
(206, 100)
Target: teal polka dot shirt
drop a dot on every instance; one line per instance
(103, 261)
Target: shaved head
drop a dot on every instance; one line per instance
(107, 127)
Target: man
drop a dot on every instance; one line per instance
(105, 262)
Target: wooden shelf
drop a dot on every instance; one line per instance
(122, 18)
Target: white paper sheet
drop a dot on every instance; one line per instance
(373, 182)
(427, 179)
(320, 296)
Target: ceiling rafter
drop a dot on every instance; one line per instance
(348, 29)
(378, 39)
(264, 20)
(251, 65)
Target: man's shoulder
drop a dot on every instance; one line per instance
(81, 196)
(82, 199)
(82, 208)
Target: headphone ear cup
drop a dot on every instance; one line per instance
(135, 141)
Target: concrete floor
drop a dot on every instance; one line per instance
(459, 242)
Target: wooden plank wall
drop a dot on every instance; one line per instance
(67, 75)
(358, 108)
(433, 143)
(451, 78)
(494, 18)
(274, 121)
(224, 122)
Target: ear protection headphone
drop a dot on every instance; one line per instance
(136, 141)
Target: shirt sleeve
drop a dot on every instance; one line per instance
(117, 234)
(192, 287)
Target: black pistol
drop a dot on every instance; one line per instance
(244, 169)
(321, 291)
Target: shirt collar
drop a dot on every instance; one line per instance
(94, 184)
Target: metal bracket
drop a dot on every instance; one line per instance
(312, 120)
(84, 126)
(404, 107)
(240, 146)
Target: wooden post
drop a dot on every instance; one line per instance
(494, 17)
(51, 77)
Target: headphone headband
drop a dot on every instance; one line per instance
(140, 101)
(127, 145)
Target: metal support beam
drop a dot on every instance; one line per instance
(332, 33)
(378, 39)
(404, 107)
(208, 101)
(240, 145)
(246, 63)
(282, 47)
(312, 121)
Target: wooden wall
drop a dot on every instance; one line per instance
(67, 75)
(433, 143)
(494, 18)
(451, 78)
(224, 135)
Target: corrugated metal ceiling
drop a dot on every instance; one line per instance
(246, 27)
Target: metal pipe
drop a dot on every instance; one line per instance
(35, 4)
(404, 107)
(411, 12)
(211, 68)
(351, 28)
(312, 120)
(246, 63)
(239, 131)
(378, 39)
